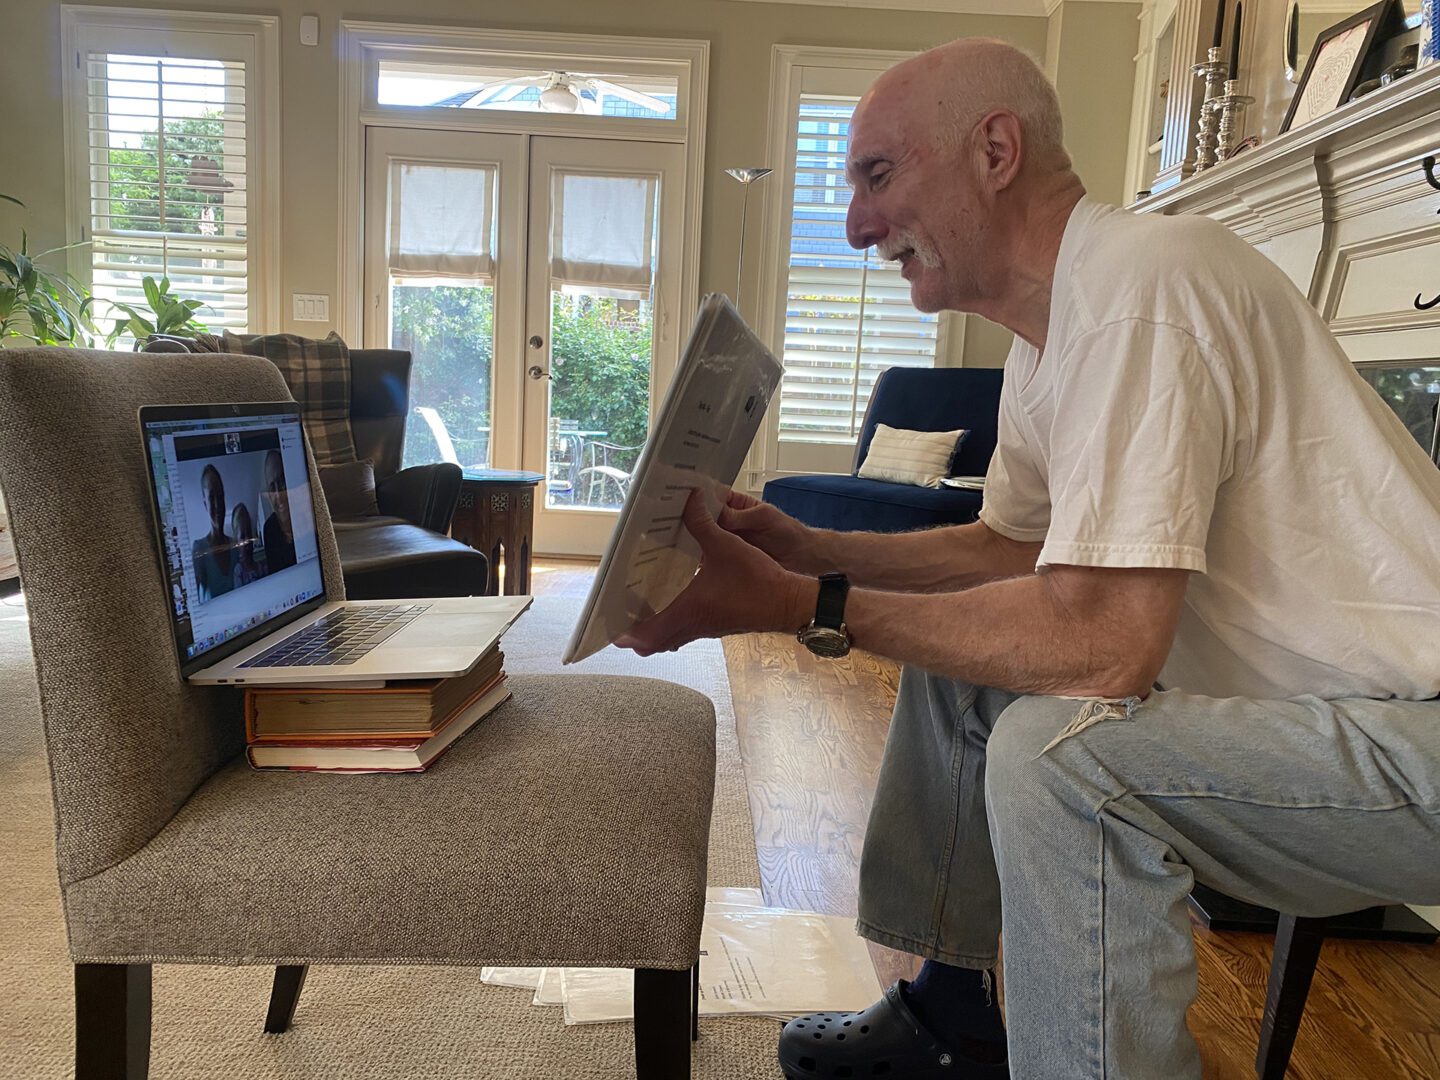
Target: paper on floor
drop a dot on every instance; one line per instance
(528, 978)
(753, 961)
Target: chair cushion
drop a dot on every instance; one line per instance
(349, 489)
(921, 458)
(387, 558)
(940, 399)
(525, 844)
(853, 504)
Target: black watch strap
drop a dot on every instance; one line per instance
(830, 605)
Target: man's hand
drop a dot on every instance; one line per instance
(738, 589)
(793, 545)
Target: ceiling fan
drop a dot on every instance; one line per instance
(560, 92)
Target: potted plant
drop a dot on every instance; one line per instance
(38, 305)
(168, 314)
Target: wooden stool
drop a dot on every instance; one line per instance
(495, 513)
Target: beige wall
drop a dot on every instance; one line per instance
(1094, 71)
(1090, 55)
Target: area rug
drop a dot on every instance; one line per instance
(413, 1023)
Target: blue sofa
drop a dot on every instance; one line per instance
(918, 399)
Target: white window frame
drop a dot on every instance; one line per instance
(364, 43)
(206, 35)
(797, 69)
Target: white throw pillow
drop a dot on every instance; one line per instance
(921, 458)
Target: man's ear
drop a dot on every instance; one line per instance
(999, 145)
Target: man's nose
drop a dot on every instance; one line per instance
(863, 227)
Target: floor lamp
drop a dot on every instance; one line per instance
(746, 177)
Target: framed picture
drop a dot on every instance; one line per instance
(1337, 59)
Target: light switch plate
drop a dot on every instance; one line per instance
(311, 307)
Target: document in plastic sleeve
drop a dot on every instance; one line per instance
(711, 413)
(753, 962)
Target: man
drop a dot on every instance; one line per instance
(278, 533)
(213, 555)
(1191, 488)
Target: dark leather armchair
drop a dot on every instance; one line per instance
(404, 551)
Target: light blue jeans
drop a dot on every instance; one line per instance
(1090, 840)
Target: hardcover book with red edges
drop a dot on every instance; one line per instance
(411, 710)
(367, 755)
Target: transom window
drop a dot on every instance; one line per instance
(425, 84)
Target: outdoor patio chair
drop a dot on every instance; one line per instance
(516, 848)
(603, 474)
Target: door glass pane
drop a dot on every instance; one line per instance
(603, 246)
(442, 306)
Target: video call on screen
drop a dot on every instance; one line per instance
(239, 532)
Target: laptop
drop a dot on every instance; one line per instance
(242, 563)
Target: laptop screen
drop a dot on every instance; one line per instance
(232, 502)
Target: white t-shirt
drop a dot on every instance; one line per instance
(1192, 411)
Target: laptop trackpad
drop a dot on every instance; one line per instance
(447, 629)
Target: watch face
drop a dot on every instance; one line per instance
(825, 641)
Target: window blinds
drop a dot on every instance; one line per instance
(442, 222)
(169, 182)
(847, 314)
(603, 233)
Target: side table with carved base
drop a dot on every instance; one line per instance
(495, 514)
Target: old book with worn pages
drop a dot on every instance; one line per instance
(404, 709)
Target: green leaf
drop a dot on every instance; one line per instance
(12, 199)
(152, 293)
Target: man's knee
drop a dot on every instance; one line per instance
(1021, 774)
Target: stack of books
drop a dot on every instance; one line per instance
(400, 727)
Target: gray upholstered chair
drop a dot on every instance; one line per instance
(518, 847)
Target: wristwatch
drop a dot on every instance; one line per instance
(826, 635)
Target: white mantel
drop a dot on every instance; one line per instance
(1343, 207)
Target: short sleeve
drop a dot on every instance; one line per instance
(1017, 498)
(1142, 439)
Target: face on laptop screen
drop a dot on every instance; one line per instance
(233, 496)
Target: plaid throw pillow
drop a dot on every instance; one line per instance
(318, 373)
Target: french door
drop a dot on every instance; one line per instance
(535, 281)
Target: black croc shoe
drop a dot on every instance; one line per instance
(884, 1040)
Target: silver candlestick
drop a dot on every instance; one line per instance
(1213, 71)
(1229, 105)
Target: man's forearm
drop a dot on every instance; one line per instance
(1032, 634)
(929, 560)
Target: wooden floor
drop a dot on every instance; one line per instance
(812, 732)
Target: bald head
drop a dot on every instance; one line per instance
(946, 91)
(958, 173)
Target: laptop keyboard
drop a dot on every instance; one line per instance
(338, 639)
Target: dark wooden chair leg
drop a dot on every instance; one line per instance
(1297, 950)
(662, 1024)
(695, 1002)
(284, 996)
(112, 1021)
